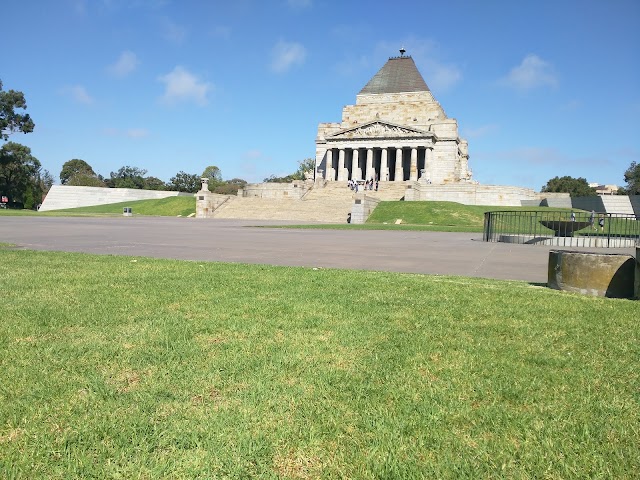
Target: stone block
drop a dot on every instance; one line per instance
(596, 274)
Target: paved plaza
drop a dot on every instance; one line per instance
(238, 241)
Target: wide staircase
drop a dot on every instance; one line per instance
(329, 203)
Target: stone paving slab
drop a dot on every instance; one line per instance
(234, 241)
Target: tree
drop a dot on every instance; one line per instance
(576, 187)
(75, 167)
(10, 121)
(153, 183)
(304, 166)
(19, 172)
(185, 182)
(230, 187)
(213, 173)
(127, 177)
(632, 177)
(85, 180)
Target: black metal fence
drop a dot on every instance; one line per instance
(562, 228)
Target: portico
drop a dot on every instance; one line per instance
(379, 159)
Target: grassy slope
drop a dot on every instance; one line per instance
(171, 206)
(121, 367)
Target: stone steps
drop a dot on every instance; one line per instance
(331, 203)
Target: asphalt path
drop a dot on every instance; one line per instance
(242, 241)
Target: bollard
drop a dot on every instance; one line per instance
(636, 288)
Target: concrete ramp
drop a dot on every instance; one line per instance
(635, 204)
(65, 196)
(617, 204)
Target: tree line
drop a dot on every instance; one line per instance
(77, 172)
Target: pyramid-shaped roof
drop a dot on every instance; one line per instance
(398, 75)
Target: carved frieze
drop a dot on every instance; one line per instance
(379, 130)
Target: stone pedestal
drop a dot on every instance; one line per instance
(596, 274)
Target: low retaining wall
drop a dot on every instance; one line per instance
(362, 207)
(66, 196)
(472, 194)
(294, 190)
(597, 274)
(207, 203)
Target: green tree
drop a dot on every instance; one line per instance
(85, 180)
(127, 177)
(230, 187)
(213, 173)
(19, 172)
(75, 167)
(153, 183)
(576, 187)
(10, 121)
(185, 182)
(304, 166)
(632, 177)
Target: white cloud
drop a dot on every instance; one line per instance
(173, 32)
(79, 94)
(285, 55)
(126, 63)
(481, 131)
(137, 133)
(183, 86)
(130, 133)
(443, 77)
(532, 73)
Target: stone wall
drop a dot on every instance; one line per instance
(362, 207)
(207, 203)
(293, 190)
(471, 194)
(66, 196)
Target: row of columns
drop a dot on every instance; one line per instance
(356, 171)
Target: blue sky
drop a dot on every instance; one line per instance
(539, 88)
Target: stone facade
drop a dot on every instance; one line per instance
(396, 131)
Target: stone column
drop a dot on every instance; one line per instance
(329, 172)
(413, 171)
(356, 171)
(341, 171)
(399, 169)
(384, 167)
(428, 163)
(369, 173)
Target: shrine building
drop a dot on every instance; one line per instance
(395, 132)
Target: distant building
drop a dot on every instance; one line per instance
(604, 189)
(396, 131)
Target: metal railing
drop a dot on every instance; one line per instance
(562, 228)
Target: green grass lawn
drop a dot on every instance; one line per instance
(120, 367)
(170, 206)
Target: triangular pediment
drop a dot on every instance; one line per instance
(379, 129)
